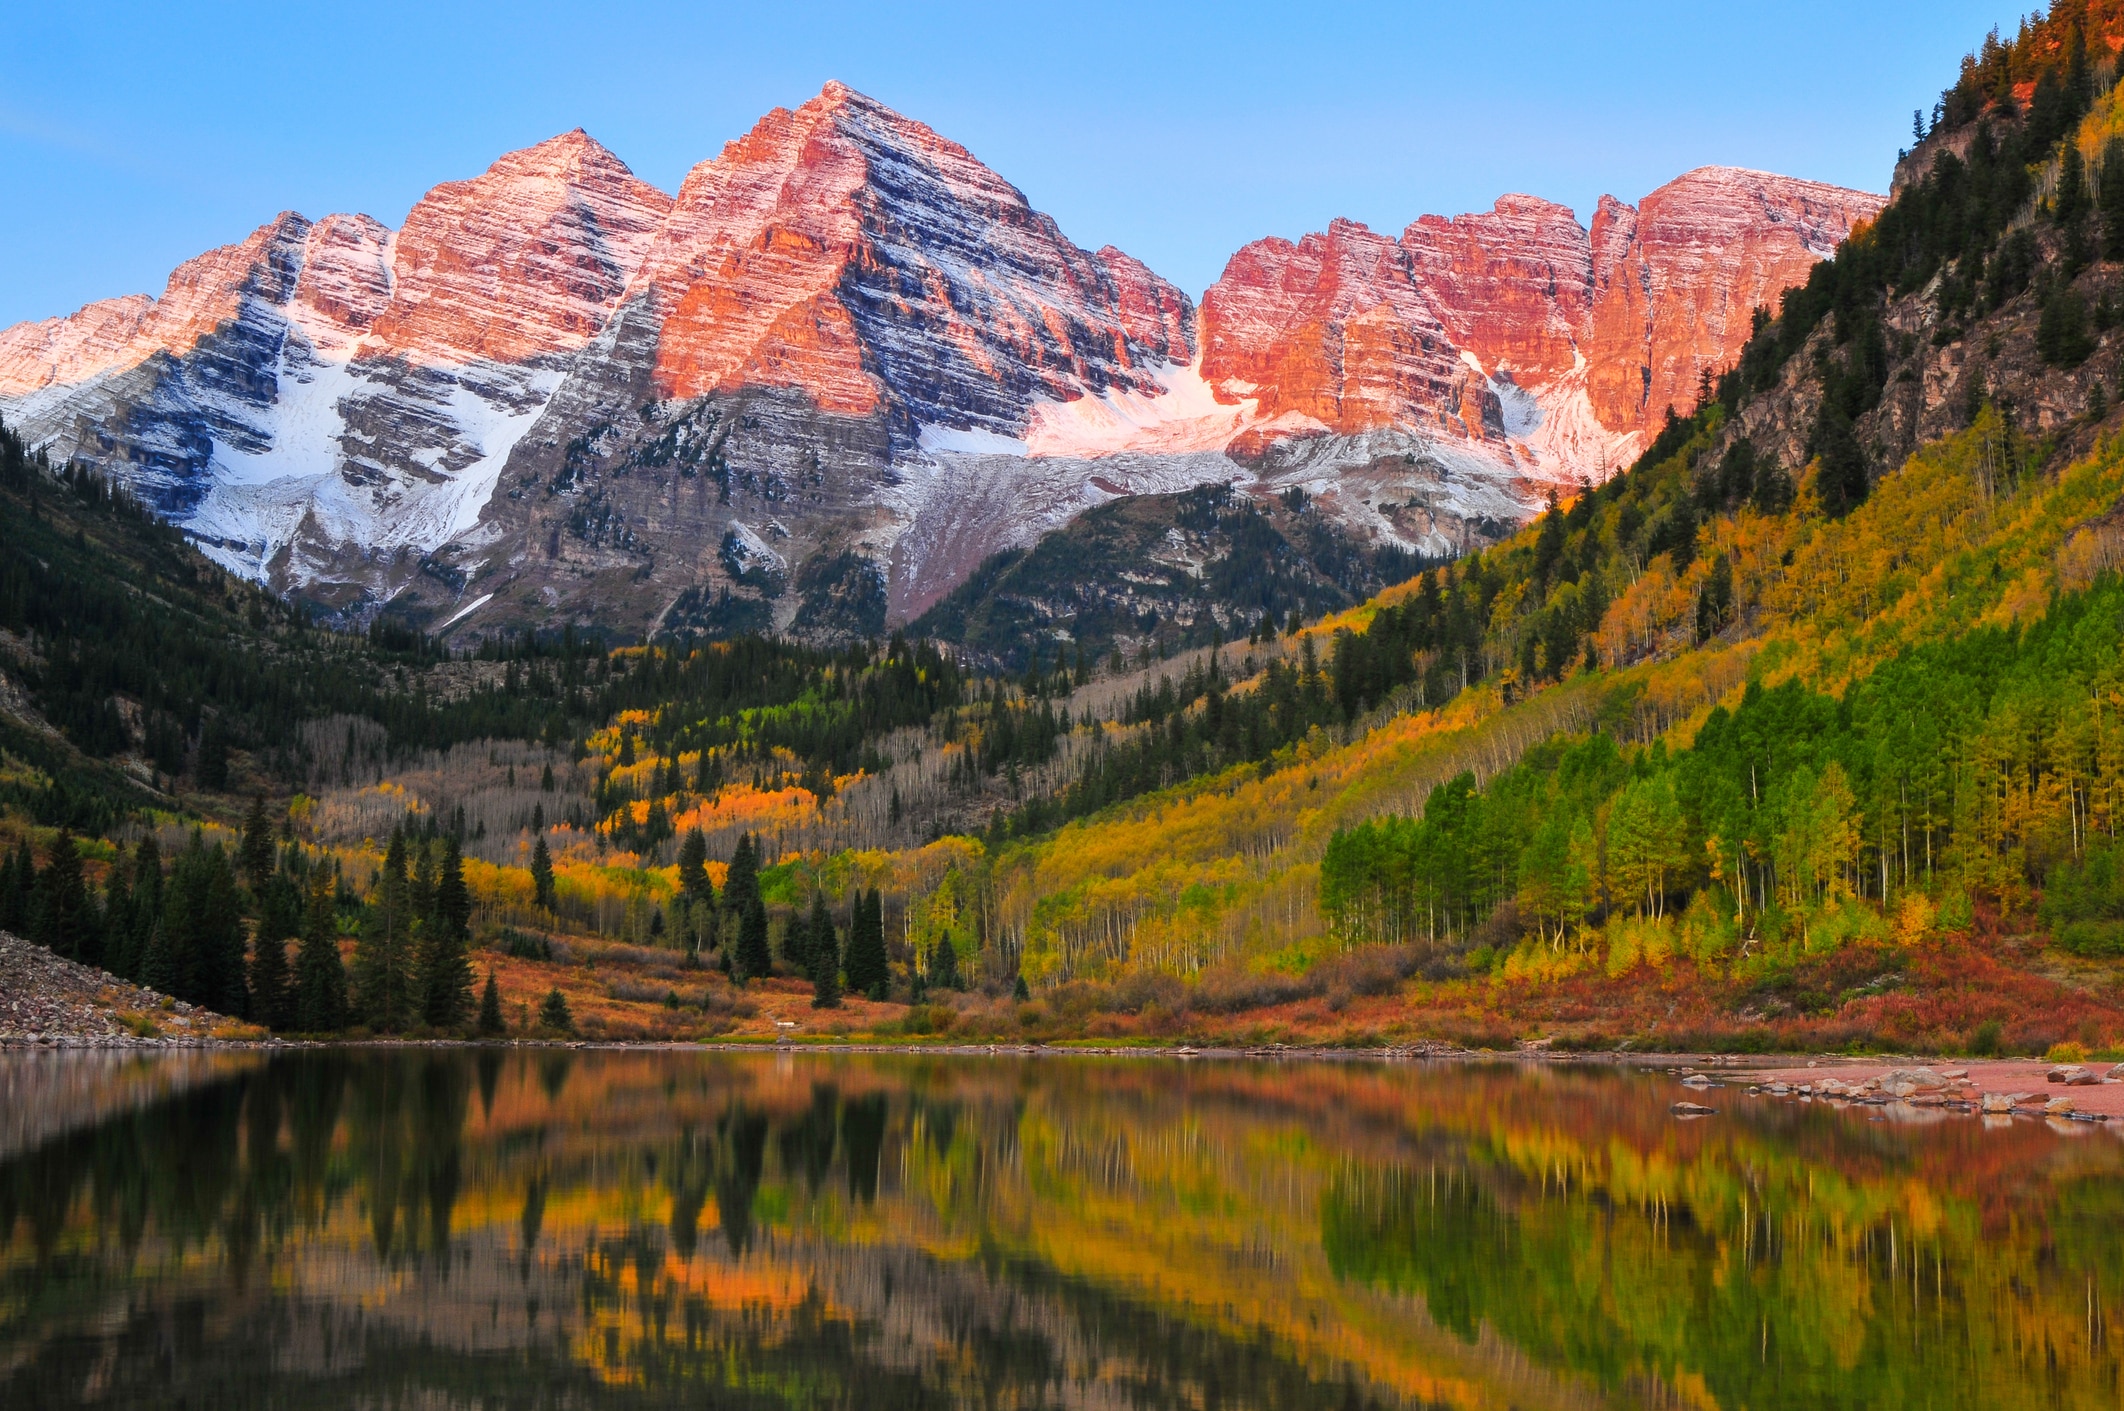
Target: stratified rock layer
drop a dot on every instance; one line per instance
(846, 361)
(1603, 329)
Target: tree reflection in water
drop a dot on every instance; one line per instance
(632, 1228)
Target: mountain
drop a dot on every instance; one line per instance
(846, 363)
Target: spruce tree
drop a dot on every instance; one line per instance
(62, 919)
(825, 955)
(320, 977)
(383, 961)
(2070, 202)
(2110, 197)
(754, 958)
(279, 919)
(741, 895)
(421, 879)
(944, 965)
(554, 1015)
(453, 901)
(18, 875)
(542, 876)
(693, 881)
(146, 920)
(867, 973)
(490, 1011)
(257, 846)
(220, 939)
(445, 976)
(118, 956)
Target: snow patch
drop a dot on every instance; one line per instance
(1185, 417)
(467, 610)
(966, 441)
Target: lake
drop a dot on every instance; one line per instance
(637, 1228)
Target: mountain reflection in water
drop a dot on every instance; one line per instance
(658, 1228)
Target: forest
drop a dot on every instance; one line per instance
(1747, 726)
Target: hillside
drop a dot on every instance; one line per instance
(1792, 735)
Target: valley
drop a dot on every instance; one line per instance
(831, 604)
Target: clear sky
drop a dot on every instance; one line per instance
(132, 136)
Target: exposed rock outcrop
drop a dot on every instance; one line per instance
(847, 347)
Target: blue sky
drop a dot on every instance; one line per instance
(134, 136)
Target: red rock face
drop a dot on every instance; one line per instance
(1334, 332)
(528, 258)
(1677, 283)
(847, 251)
(202, 294)
(1511, 284)
(1355, 332)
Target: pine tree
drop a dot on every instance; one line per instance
(221, 941)
(554, 1015)
(383, 961)
(542, 876)
(279, 919)
(62, 919)
(2111, 199)
(320, 977)
(18, 875)
(693, 881)
(145, 938)
(944, 965)
(867, 973)
(2062, 338)
(754, 959)
(490, 1011)
(445, 976)
(420, 882)
(1019, 990)
(825, 956)
(257, 846)
(2071, 200)
(741, 894)
(453, 901)
(118, 955)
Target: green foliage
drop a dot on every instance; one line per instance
(542, 875)
(741, 897)
(554, 1013)
(1788, 806)
(384, 976)
(490, 1012)
(866, 962)
(2084, 901)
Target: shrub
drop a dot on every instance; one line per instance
(2068, 1052)
(522, 945)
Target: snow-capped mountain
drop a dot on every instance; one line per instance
(847, 361)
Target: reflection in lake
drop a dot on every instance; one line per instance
(637, 1228)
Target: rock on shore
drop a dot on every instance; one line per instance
(47, 1000)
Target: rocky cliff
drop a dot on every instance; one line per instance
(847, 361)
(1553, 347)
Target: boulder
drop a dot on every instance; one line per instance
(1692, 1109)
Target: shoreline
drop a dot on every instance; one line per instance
(2012, 1086)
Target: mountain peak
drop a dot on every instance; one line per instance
(569, 156)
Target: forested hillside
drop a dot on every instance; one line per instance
(1804, 730)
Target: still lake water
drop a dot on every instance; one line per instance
(451, 1228)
